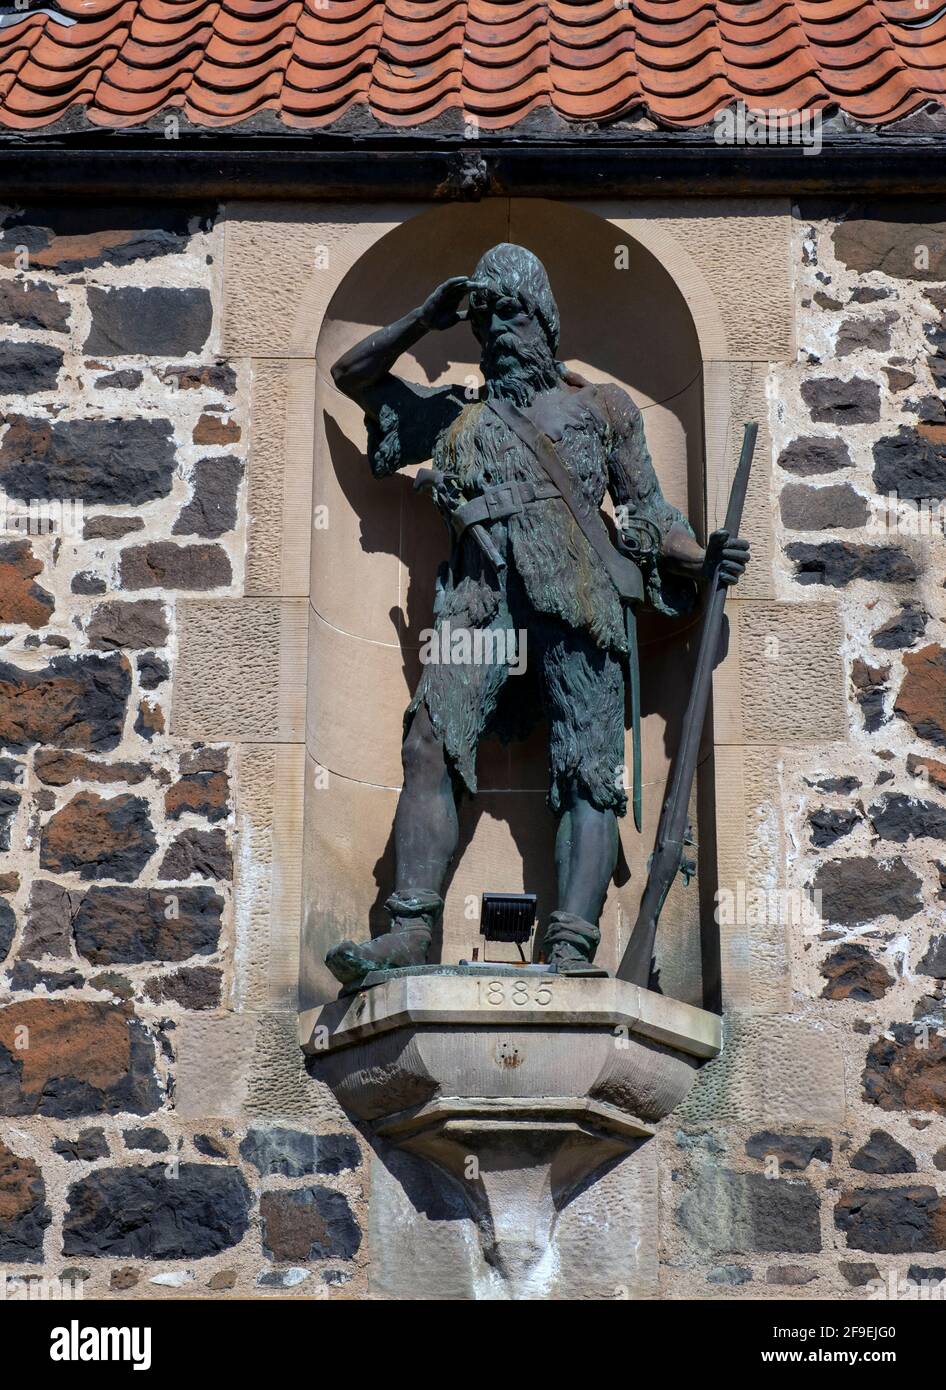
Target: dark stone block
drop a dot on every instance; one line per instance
(736, 1213)
(193, 987)
(48, 929)
(810, 455)
(900, 1075)
(109, 461)
(893, 1220)
(212, 509)
(843, 786)
(127, 926)
(883, 1154)
(837, 563)
(201, 852)
(28, 367)
(162, 564)
(902, 630)
(921, 1274)
(87, 582)
(7, 928)
(857, 1275)
(110, 528)
(99, 837)
(209, 1146)
(74, 702)
(934, 961)
(294, 1153)
(201, 758)
(9, 805)
(853, 973)
(126, 380)
(898, 379)
(24, 1214)
(141, 1213)
(137, 624)
(870, 683)
(31, 304)
(909, 465)
(864, 335)
(218, 377)
(308, 1223)
(806, 508)
(900, 818)
(831, 401)
(153, 1140)
(152, 671)
(84, 1058)
(26, 978)
(793, 1151)
(861, 888)
(89, 1145)
(159, 321)
(828, 826)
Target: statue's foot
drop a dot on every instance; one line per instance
(570, 940)
(564, 954)
(351, 961)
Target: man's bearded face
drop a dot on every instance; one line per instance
(516, 357)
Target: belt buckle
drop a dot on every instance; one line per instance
(495, 505)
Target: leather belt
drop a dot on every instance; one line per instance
(501, 500)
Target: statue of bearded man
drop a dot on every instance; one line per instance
(522, 471)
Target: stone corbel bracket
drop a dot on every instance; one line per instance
(521, 1086)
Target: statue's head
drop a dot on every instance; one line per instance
(514, 316)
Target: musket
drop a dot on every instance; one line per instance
(674, 817)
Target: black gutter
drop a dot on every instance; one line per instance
(371, 168)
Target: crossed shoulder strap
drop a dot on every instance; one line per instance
(623, 573)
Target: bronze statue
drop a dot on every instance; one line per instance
(520, 472)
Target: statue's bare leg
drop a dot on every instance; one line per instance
(425, 824)
(425, 841)
(586, 851)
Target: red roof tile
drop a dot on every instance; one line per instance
(494, 61)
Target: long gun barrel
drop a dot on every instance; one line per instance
(668, 851)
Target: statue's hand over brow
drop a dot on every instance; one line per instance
(441, 309)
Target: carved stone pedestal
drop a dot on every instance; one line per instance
(522, 1084)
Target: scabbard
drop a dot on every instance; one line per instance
(634, 686)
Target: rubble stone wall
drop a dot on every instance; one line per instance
(159, 1135)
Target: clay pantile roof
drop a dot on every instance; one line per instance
(407, 62)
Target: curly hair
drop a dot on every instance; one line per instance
(514, 271)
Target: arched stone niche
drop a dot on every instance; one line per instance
(635, 309)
